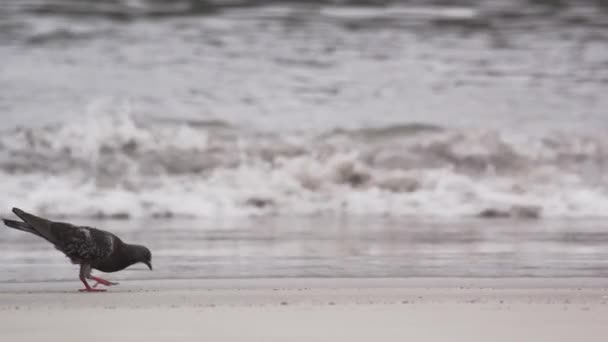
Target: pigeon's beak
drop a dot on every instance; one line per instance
(149, 264)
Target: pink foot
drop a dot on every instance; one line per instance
(88, 288)
(102, 281)
(92, 290)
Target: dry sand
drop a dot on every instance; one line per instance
(310, 310)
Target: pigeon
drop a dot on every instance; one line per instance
(88, 247)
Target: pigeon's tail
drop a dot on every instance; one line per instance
(16, 224)
(20, 226)
(38, 225)
(30, 219)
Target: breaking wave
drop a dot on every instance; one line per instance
(117, 166)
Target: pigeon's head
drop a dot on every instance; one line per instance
(143, 255)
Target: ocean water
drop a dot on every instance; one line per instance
(355, 129)
(174, 109)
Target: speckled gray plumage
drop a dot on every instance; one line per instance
(80, 244)
(86, 246)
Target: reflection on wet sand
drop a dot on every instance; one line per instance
(349, 247)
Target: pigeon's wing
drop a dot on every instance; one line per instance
(86, 244)
(78, 243)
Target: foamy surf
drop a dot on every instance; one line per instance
(117, 166)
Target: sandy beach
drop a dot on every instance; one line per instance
(429, 309)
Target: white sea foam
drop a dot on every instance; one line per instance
(113, 165)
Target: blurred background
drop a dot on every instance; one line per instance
(310, 138)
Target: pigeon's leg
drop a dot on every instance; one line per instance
(85, 272)
(102, 281)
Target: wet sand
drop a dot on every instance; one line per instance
(326, 247)
(423, 309)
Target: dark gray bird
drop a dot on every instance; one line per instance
(88, 247)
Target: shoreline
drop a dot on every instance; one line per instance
(195, 284)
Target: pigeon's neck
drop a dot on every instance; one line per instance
(121, 258)
(128, 254)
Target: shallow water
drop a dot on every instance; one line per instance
(349, 247)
